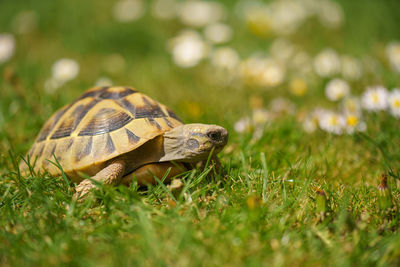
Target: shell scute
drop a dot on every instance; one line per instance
(105, 121)
(72, 118)
(82, 149)
(50, 124)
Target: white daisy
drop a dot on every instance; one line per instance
(327, 63)
(200, 13)
(257, 17)
(351, 68)
(188, 49)
(262, 71)
(218, 33)
(282, 106)
(332, 122)
(103, 81)
(311, 122)
(65, 69)
(302, 63)
(225, 58)
(351, 105)
(330, 14)
(282, 49)
(260, 117)
(164, 9)
(286, 16)
(310, 125)
(7, 47)
(250, 69)
(25, 22)
(394, 102)
(353, 124)
(128, 10)
(51, 85)
(375, 98)
(273, 73)
(393, 54)
(336, 89)
(243, 125)
(255, 123)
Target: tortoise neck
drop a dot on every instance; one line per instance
(173, 144)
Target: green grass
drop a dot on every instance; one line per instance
(265, 208)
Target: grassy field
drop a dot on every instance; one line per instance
(286, 196)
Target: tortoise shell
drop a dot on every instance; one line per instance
(103, 123)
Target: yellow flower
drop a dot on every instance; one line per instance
(334, 120)
(354, 124)
(256, 102)
(193, 109)
(259, 23)
(260, 116)
(351, 105)
(298, 87)
(351, 120)
(396, 103)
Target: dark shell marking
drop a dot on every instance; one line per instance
(153, 122)
(128, 106)
(48, 127)
(40, 152)
(133, 138)
(86, 150)
(105, 121)
(71, 141)
(110, 147)
(173, 115)
(116, 95)
(149, 110)
(53, 150)
(107, 93)
(167, 122)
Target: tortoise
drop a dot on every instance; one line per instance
(112, 132)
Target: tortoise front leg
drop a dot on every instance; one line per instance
(111, 174)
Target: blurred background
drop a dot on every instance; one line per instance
(323, 65)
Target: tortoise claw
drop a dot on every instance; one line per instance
(82, 190)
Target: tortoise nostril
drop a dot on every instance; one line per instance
(214, 135)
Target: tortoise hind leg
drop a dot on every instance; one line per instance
(111, 174)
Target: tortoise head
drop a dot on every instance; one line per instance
(194, 142)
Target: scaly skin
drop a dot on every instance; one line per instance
(111, 174)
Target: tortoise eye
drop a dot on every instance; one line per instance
(214, 135)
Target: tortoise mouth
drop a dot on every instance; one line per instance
(215, 149)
